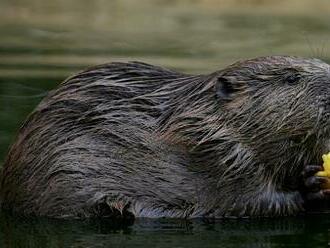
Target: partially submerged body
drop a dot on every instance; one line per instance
(131, 139)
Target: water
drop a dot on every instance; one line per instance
(294, 232)
(43, 42)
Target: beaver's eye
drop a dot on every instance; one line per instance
(292, 79)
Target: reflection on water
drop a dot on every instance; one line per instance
(42, 42)
(306, 232)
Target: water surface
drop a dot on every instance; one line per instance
(287, 232)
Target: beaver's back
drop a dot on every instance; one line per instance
(85, 138)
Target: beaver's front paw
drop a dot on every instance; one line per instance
(316, 187)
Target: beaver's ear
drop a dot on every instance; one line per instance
(224, 88)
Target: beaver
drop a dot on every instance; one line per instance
(133, 140)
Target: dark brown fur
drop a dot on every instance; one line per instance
(131, 139)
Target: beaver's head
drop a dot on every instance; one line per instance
(279, 106)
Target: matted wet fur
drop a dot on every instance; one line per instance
(132, 139)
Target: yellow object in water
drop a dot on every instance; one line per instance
(326, 171)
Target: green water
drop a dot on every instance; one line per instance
(43, 42)
(304, 232)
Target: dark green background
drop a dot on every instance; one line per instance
(43, 42)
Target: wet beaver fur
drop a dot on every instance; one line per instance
(132, 139)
